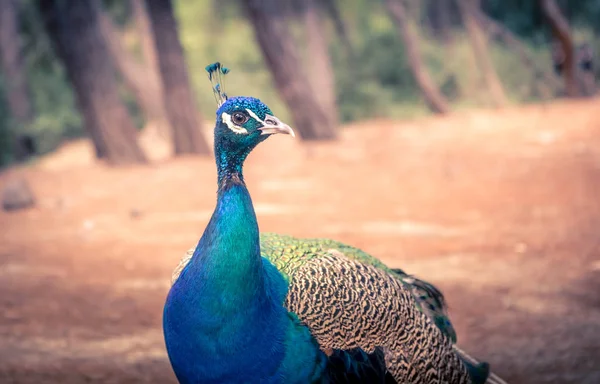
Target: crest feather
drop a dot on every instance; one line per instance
(216, 72)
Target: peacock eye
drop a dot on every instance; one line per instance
(239, 118)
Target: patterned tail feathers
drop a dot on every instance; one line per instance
(478, 371)
(433, 304)
(358, 366)
(431, 301)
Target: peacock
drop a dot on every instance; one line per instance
(246, 307)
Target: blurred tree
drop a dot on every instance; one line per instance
(184, 117)
(468, 9)
(320, 72)
(585, 61)
(409, 35)
(340, 27)
(142, 24)
(74, 27)
(279, 52)
(142, 78)
(439, 14)
(548, 82)
(17, 93)
(15, 81)
(561, 32)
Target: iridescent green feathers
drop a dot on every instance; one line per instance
(216, 72)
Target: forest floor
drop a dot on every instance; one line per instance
(500, 209)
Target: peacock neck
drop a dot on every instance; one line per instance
(227, 259)
(222, 299)
(229, 252)
(230, 162)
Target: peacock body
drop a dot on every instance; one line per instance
(340, 293)
(267, 308)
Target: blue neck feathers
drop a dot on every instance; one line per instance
(217, 312)
(230, 161)
(226, 266)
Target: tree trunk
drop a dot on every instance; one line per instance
(142, 23)
(407, 30)
(319, 64)
(141, 78)
(75, 29)
(183, 115)
(560, 31)
(585, 60)
(468, 8)
(17, 93)
(279, 52)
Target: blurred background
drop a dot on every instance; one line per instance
(456, 139)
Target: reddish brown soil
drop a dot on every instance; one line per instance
(500, 209)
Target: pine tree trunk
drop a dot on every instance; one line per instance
(183, 115)
(319, 64)
(280, 55)
(144, 29)
(74, 27)
(480, 50)
(560, 30)
(142, 23)
(408, 33)
(141, 78)
(17, 93)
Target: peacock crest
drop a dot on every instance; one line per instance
(216, 73)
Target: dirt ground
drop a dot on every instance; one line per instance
(500, 209)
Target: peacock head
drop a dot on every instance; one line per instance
(241, 123)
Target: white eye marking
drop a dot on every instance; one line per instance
(235, 128)
(268, 121)
(254, 116)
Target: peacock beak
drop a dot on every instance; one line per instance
(272, 125)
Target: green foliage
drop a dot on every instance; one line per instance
(119, 10)
(377, 82)
(525, 18)
(56, 116)
(522, 17)
(6, 130)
